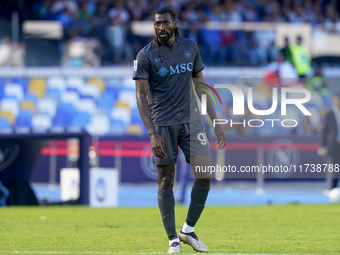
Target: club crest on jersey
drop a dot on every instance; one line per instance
(135, 64)
(162, 71)
(187, 54)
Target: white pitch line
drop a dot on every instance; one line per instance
(122, 253)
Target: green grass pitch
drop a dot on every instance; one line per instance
(288, 229)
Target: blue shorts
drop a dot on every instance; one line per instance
(190, 137)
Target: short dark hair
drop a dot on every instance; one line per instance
(165, 9)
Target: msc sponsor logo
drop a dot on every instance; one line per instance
(162, 71)
(180, 68)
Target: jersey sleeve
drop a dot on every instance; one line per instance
(198, 65)
(141, 67)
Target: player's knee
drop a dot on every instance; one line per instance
(203, 182)
(166, 183)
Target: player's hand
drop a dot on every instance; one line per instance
(221, 137)
(157, 145)
(322, 151)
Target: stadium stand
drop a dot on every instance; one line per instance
(103, 107)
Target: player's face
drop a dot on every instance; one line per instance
(164, 27)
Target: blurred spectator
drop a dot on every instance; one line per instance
(116, 35)
(283, 68)
(300, 58)
(63, 5)
(85, 12)
(82, 52)
(12, 54)
(119, 13)
(264, 39)
(304, 128)
(318, 83)
(91, 18)
(42, 10)
(286, 50)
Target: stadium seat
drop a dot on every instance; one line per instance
(75, 82)
(118, 127)
(64, 115)
(56, 82)
(81, 119)
(4, 123)
(37, 86)
(121, 104)
(8, 115)
(100, 125)
(31, 97)
(24, 119)
(28, 105)
(135, 129)
(123, 114)
(71, 90)
(47, 106)
(129, 97)
(70, 97)
(97, 82)
(90, 90)
(41, 121)
(11, 105)
(129, 83)
(15, 90)
(135, 117)
(53, 94)
(106, 102)
(113, 82)
(23, 81)
(86, 105)
(2, 84)
(113, 91)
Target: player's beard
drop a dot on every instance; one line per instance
(167, 37)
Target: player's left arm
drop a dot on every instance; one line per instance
(221, 136)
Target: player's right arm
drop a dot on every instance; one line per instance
(157, 143)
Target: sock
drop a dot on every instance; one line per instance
(173, 241)
(187, 229)
(198, 197)
(166, 204)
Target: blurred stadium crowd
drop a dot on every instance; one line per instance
(100, 31)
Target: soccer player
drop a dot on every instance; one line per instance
(169, 110)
